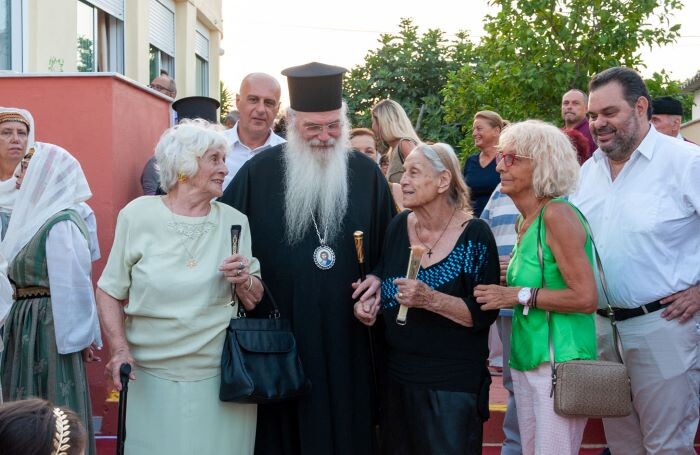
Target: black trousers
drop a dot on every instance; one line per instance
(423, 421)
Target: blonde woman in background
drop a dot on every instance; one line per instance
(391, 125)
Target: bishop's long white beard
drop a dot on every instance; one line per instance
(316, 181)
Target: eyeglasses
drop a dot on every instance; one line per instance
(315, 129)
(510, 158)
(159, 88)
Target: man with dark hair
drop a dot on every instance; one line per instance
(666, 116)
(304, 199)
(573, 111)
(641, 196)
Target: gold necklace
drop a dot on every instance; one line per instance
(430, 248)
(186, 234)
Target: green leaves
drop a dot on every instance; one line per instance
(532, 52)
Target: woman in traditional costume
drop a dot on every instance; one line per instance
(172, 261)
(16, 139)
(52, 326)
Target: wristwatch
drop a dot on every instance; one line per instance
(524, 296)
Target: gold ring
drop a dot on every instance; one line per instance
(399, 295)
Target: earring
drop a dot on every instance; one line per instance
(181, 177)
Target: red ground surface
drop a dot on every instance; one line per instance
(593, 438)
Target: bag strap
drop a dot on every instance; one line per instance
(398, 146)
(611, 315)
(274, 312)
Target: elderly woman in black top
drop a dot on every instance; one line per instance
(437, 381)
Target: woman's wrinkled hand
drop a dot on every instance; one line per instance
(494, 297)
(368, 292)
(235, 269)
(413, 293)
(90, 354)
(119, 357)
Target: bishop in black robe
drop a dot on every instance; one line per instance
(336, 416)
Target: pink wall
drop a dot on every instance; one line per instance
(111, 125)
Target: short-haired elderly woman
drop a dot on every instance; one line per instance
(172, 261)
(538, 167)
(437, 382)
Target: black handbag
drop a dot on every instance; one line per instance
(259, 362)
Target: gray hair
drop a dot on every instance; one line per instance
(442, 158)
(180, 146)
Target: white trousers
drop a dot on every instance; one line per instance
(542, 431)
(663, 361)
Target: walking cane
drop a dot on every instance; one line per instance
(359, 250)
(124, 372)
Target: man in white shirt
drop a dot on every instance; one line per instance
(258, 102)
(641, 195)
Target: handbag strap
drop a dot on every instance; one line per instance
(274, 312)
(603, 283)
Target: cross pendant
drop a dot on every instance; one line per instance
(430, 253)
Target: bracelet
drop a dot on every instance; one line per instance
(533, 298)
(250, 283)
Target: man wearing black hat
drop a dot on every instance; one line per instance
(667, 113)
(304, 199)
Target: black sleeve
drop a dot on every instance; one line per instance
(384, 210)
(486, 270)
(236, 193)
(388, 247)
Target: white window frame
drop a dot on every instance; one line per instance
(115, 36)
(203, 85)
(17, 37)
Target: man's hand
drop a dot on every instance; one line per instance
(683, 304)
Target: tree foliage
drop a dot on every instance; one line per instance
(535, 50)
(660, 84)
(226, 100)
(86, 55)
(411, 69)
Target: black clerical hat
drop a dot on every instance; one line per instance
(666, 105)
(315, 87)
(197, 107)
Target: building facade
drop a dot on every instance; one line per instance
(691, 129)
(136, 38)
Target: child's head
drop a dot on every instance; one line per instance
(36, 427)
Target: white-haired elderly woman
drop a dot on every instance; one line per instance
(437, 382)
(538, 167)
(171, 259)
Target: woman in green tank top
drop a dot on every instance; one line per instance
(538, 166)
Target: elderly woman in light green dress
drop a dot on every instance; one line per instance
(171, 260)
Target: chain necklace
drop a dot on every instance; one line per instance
(430, 248)
(185, 235)
(324, 256)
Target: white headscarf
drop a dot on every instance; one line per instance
(54, 181)
(8, 192)
(5, 293)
